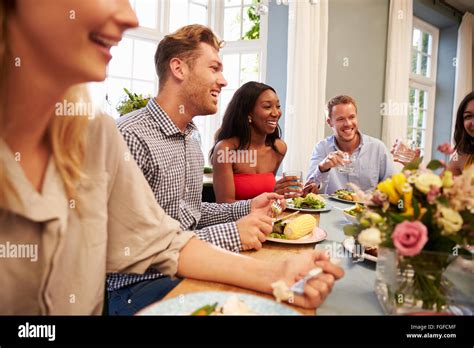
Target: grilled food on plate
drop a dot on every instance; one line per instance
(295, 228)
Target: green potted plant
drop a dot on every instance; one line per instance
(131, 102)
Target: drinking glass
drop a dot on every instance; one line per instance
(349, 165)
(404, 151)
(298, 178)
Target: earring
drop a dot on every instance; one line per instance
(250, 119)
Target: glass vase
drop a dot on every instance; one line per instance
(428, 283)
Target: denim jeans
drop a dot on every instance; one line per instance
(132, 298)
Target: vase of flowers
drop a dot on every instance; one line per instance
(423, 225)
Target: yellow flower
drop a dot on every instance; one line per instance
(388, 188)
(399, 181)
(407, 200)
(424, 181)
(447, 179)
(450, 220)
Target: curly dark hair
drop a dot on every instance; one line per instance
(235, 122)
(464, 143)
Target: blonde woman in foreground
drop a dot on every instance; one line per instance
(69, 188)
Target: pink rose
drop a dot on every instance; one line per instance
(409, 237)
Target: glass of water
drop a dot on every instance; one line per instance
(349, 165)
(297, 176)
(404, 151)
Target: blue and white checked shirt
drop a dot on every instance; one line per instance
(172, 163)
(373, 164)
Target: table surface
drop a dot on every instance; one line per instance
(352, 295)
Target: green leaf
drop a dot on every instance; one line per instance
(443, 200)
(413, 165)
(416, 208)
(435, 164)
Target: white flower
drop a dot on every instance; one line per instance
(425, 181)
(370, 237)
(450, 220)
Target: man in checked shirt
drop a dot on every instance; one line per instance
(161, 138)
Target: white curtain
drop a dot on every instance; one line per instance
(397, 72)
(306, 86)
(463, 82)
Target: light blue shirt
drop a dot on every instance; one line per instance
(373, 164)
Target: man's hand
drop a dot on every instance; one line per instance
(310, 187)
(263, 203)
(316, 289)
(253, 230)
(286, 186)
(333, 159)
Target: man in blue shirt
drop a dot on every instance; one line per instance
(371, 162)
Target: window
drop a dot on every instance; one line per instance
(424, 55)
(242, 24)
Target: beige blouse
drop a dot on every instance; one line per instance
(121, 229)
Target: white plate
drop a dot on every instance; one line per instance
(349, 244)
(318, 235)
(291, 206)
(350, 218)
(344, 200)
(188, 303)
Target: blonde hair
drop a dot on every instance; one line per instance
(66, 135)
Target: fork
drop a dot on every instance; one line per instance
(277, 209)
(298, 287)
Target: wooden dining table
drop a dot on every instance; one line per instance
(270, 251)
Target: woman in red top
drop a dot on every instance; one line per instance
(248, 149)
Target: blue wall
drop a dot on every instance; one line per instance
(444, 88)
(277, 52)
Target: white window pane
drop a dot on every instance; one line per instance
(143, 87)
(424, 66)
(178, 14)
(250, 2)
(232, 23)
(201, 2)
(115, 93)
(414, 57)
(226, 96)
(425, 42)
(233, 2)
(143, 60)
(121, 63)
(147, 13)
(249, 67)
(416, 39)
(98, 91)
(197, 14)
(231, 70)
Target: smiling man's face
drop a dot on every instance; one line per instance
(343, 121)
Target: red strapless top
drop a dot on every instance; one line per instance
(248, 186)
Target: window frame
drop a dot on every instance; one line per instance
(427, 84)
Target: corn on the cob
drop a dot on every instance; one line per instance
(300, 227)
